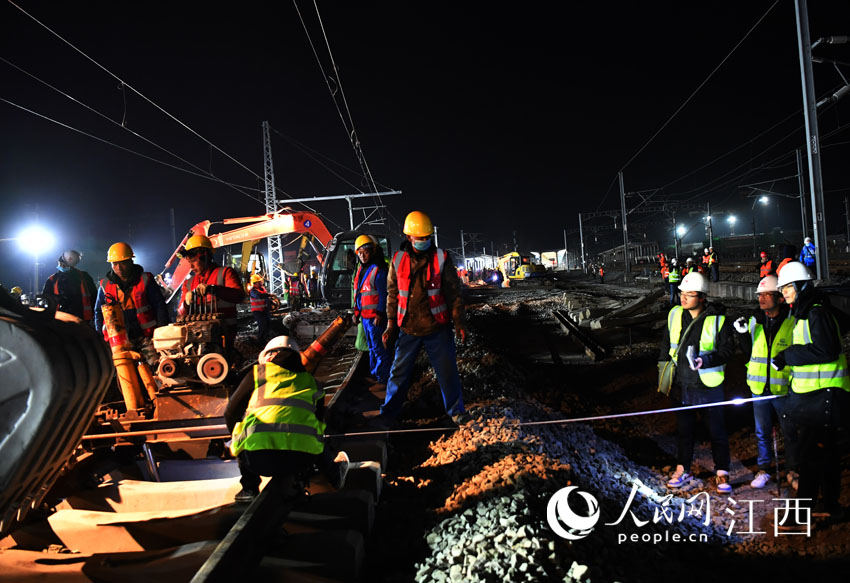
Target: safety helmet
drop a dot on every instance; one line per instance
(768, 284)
(694, 282)
(255, 277)
(198, 241)
(17, 290)
(363, 240)
(705, 250)
(417, 224)
(72, 257)
(763, 254)
(674, 261)
(807, 240)
(119, 252)
(793, 271)
(277, 343)
(689, 260)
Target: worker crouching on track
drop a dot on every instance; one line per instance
(370, 304)
(275, 418)
(766, 334)
(137, 292)
(260, 307)
(818, 400)
(699, 328)
(423, 298)
(214, 288)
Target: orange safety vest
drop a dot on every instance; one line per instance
(766, 268)
(601, 272)
(784, 261)
(137, 300)
(88, 308)
(433, 282)
(665, 271)
(367, 292)
(258, 304)
(225, 308)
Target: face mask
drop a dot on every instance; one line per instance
(422, 245)
(62, 268)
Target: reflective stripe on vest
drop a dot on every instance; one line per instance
(281, 414)
(811, 377)
(136, 301)
(757, 367)
(766, 268)
(366, 292)
(710, 377)
(85, 296)
(258, 304)
(433, 283)
(675, 275)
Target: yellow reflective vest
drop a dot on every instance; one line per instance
(281, 414)
(757, 370)
(675, 275)
(710, 377)
(811, 377)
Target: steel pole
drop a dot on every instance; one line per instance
(625, 230)
(802, 184)
(581, 235)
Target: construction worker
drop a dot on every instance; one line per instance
(700, 343)
(275, 418)
(706, 256)
(423, 299)
(72, 290)
(689, 266)
(809, 254)
(602, 273)
(211, 288)
(818, 399)
(313, 287)
(370, 304)
(766, 266)
(664, 268)
(713, 264)
(674, 276)
(763, 336)
(260, 307)
(137, 292)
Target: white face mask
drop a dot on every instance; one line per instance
(422, 245)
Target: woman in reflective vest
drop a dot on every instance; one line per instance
(275, 418)
(370, 304)
(818, 400)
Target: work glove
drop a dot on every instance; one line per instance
(741, 325)
(778, 361)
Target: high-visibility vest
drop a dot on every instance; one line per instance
(433, 283)
(706, 259)
(665, 272)
(259, 304)
(710, 377)
(366, 292)
(216, 276)
(675, 275)
(811, 377)
(281, 414)
(757, 367)
(88, 307)
(712, 259)
(136, 300)
(766, 268)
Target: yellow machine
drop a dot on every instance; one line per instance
(519, 267)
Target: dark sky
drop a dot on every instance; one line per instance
(491, 120)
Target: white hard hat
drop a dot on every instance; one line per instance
(807, 240)
(694, 282)
(690, 260)
(768, 284)
(705, 250)
(793, 271)
(72, 257)
(277, 343)
(674, 261)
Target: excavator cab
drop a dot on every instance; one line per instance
(341, 262)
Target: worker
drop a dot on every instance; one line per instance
(689, 266)
(766, 266)
(260, 307)
(764, 335)
(370, 304)
(313, 287)
(706, 257)
(664, 268)
(674, 277)
(817, 402)
(698, 336)
(602, 273)
(713, 264)
(423, 299)
(73, 290)
(275, 418)
(211, 288)
(809, 255)
(138, 294)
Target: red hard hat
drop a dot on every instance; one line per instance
(763, 254)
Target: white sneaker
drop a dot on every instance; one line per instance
(723, 485)
(761, 479)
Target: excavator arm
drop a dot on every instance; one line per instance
(258, 227)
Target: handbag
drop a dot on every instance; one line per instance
(667, 368)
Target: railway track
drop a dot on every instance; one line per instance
(169, 513)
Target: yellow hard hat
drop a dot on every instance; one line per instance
(196, 241)
(363, 240)
(256, 277)
(17, 290)
(119, 252)
(417, 224)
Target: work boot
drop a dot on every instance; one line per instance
(461, 418)
(761, 479)
(245, 496)
(723, 485)
(342, 462)
(679, 478)
(793, 480)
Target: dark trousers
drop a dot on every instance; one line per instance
(713, 418)
(262, 319)
(273, 462)
(715, 272)
(815, 422)
(674, 293)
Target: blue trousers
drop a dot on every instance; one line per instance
(380, 359)
(440, 347)
(674, 293)
(763, 415)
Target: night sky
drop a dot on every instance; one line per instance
(490, 120)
